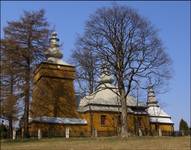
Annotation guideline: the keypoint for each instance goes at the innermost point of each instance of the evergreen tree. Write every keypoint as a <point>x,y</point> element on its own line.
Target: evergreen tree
<point>183,126</point>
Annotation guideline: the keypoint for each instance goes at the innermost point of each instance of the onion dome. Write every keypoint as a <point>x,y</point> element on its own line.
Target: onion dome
<point>54,54</point>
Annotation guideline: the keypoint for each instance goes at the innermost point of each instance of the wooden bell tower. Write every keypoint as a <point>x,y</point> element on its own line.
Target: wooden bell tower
<point>53,92</point>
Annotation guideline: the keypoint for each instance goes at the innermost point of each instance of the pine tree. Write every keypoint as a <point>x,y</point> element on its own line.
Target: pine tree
<point>183,126</point>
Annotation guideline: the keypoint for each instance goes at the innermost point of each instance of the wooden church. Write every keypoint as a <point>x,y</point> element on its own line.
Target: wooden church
<point>54,111</point>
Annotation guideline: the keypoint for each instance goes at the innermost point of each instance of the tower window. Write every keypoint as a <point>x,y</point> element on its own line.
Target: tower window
<point>103,120</point>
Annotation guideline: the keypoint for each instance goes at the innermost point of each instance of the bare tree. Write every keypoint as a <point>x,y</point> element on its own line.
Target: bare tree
<point>30,33</point>
<point>129,44</point>
<point>86,62</point>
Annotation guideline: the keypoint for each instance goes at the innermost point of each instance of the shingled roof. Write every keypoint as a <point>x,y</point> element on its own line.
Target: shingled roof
<point>105,98</point>
<point>58,120</point>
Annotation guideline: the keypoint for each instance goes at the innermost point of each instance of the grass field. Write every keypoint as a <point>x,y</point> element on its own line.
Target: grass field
<point>110,143</point>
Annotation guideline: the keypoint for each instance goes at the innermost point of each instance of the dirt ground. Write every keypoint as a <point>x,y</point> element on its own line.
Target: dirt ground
<point>109,143</point>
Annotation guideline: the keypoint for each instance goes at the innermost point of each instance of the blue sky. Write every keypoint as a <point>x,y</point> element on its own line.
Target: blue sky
<point>171,18</point>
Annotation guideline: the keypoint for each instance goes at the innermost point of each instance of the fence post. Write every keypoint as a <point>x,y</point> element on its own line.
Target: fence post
<point>39,134</point>
<point>160,132</point>
<point>95,132</point>
<point>140,132</point>
<point>67,132</point>
<point>14,134</point>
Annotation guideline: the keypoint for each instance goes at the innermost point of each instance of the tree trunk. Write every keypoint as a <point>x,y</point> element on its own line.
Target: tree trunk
<point>91,124</point>
<point>11,115</point>
<point>26,110</point>
<point>91,90</point>
<point>124,130</point>
<point>10,128</point>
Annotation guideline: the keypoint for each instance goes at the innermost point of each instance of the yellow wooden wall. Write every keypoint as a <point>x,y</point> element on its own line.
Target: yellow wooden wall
<point>52,130</point>
<point>112,127</point>
<point>53,91</point>
<point>166,129</point>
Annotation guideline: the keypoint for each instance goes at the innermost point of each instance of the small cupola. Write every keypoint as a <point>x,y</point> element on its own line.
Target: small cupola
<point>106,79</point>
<point>151,98</point>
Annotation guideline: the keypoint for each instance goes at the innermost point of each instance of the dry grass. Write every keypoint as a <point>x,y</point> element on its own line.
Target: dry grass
<point>110,143</point>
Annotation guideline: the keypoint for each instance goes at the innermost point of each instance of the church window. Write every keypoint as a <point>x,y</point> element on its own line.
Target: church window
<point>103,119</point>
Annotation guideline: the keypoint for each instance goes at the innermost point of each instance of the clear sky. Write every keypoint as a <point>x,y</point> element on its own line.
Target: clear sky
<point>171,18</point>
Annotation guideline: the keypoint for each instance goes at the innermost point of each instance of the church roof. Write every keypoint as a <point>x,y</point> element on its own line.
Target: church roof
<point>157,111</point>
<point>161,120</point>
<point>107,109</point>
<point>105,98</point>
<point>157,115</point>
<point>58,120</point>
